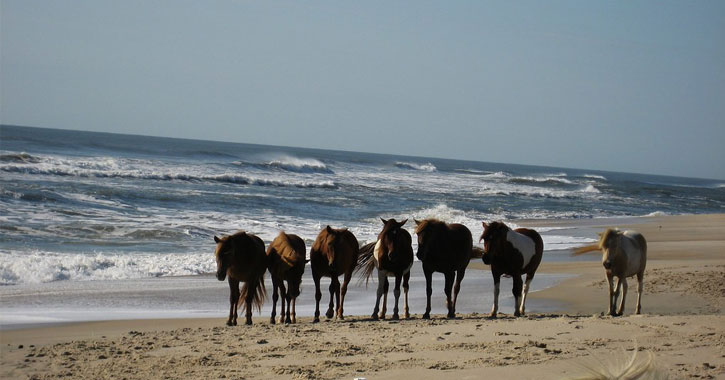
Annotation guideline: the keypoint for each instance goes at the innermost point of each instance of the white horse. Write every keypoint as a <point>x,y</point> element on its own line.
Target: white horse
<point>624,254</point>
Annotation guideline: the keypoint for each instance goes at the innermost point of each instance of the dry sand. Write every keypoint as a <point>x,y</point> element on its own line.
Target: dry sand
<point>682,325</point>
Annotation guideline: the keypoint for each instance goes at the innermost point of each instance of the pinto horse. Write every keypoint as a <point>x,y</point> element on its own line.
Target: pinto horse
<point>241,257</point>
<point>624,254</point>
<point>392,255</point>
<point>334,252</point>
<point>511,252</point>
<point>286,262</point>
<point>445,248</point>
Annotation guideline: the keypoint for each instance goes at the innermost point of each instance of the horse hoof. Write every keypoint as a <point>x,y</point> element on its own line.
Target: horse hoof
<point>316,320</point>
<point>229,323</point>
<point>396,317</point>
<point>517,314</point>
<point>426,316</point>
<point>382,317</point>
<point>272,321</point>
<point>451,315</point>
<point>407,315</point>
<point>248,323</point>
<point>374,317</point>
<point>492,316</point>
<point>329,314</point>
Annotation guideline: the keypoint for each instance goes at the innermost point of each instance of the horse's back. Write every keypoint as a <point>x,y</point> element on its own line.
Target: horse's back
<point>636,249</point>
<point>461,243</point>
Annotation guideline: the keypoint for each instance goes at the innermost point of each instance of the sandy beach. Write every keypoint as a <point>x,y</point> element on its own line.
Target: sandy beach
<point>682,326</point>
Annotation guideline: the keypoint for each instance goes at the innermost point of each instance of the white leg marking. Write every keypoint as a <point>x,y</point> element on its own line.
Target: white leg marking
<point>524,292</point>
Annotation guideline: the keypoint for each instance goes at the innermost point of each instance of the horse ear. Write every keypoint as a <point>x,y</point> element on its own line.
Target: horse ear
<point>484,225</point>
<point>384,221</point>
<point>329,229</point>
<point>216,239</point>
<point>401,224</point>
<point>417,222</point>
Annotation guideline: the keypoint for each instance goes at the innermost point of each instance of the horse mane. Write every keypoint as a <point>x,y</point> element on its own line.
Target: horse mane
<point>604,237</point>
<point>423,225</point>
<point>608,234</point>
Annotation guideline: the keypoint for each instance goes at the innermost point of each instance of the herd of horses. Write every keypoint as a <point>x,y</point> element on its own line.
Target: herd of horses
<point>442,247</point>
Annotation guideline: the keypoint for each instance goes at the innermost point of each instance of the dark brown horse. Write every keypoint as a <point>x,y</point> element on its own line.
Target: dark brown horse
<point>392,255</point>
<point>241,257</point>
<point>333,253</point>
<point>445,248</point>
<point>286,262</point>
<point>511,252</point>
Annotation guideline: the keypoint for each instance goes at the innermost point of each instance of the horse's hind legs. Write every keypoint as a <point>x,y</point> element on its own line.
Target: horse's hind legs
<point>275,296</point>
<point>318,297</point>
<point>396,293</point>
<point>623,282</point>
<point>612,295</point>
<point>334,295</point>
<point>386,287</point>
<point>406,277</point>
<point>233,302</point>
<point>524,293</point>
<point>379,295</point>
<point>428,293</point>
<point>342,291</point>
<point>449,298</point>
<point>640,278</point>
<point>496,291</point>
<point>518,287</point>
<point>283,295</point>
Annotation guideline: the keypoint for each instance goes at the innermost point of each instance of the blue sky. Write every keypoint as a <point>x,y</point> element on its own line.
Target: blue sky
<point>635,86</point>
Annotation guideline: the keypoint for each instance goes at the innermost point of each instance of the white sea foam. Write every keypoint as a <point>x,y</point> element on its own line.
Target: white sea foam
<point>427,167</point>
<point>656,213</point>
<point>41,267</point>
<point>595,176</point>
<point>297,164</point>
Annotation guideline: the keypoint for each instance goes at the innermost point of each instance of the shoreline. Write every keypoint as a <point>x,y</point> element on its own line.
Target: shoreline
<point>682,325</point>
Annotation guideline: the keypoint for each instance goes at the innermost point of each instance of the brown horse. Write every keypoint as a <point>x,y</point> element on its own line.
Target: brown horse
<point>241,257</point>
<point>392,254</point>
<point>624,254</point>
<point>333,253</point>
<point>286,262</point>
<point>445,248</point>
<point>511,252</point>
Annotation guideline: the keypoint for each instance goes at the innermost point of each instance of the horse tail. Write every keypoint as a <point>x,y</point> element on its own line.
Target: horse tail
<point>585,249</point>
<point>366,262</point>
<point>260,293</point>
<point>476,252</point>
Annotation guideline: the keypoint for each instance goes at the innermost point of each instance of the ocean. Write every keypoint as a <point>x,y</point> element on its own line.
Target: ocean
<point>83,208</point>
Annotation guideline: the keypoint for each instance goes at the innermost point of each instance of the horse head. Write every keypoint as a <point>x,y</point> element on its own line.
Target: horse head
<point>492,236</point>
<point>388,237</point>
<point>608,243</point>
<point>429,232</point>
<point>223,254</point>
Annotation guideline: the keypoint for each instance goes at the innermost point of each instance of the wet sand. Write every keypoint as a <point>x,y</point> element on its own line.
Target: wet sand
<point>682,325</point>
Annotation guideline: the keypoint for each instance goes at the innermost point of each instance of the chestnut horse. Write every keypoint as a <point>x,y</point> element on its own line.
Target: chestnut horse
<point>286,262</point>
<point>392,255</point>
<point>241,257</point>
<point>624,254</point>
<point>333,253</point>
<point>445,248</point>
<point>511,252</point>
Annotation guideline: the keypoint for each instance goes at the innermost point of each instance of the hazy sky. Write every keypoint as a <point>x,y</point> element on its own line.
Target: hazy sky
<point>636,86</point>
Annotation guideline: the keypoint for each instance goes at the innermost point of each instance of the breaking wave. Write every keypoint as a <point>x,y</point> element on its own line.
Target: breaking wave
<point>428,167</point>
<point>40,267</point>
